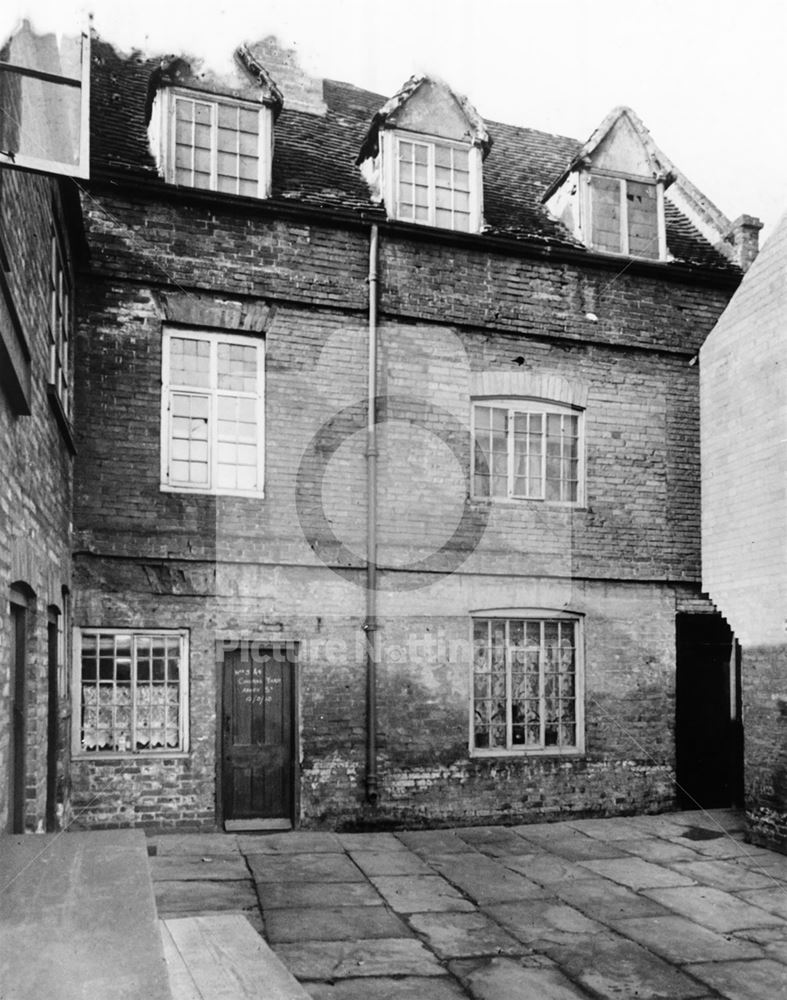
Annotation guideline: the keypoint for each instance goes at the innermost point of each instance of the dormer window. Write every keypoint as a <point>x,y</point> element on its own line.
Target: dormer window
<point>214,143</point>
<point>211,133</point>
<point>611,196</point>
<point>623,215</point>
<point>423,157</point>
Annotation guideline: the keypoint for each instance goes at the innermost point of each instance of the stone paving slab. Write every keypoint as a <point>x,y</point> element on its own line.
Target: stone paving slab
<point>296,842</point>
<point>607,901</point>
<point>318,867</point>
<point>725,875</point>
<point>370,842</point>
<point>756,980</point>
<point>681,941</point>
<point>608,830</point>
<point>202,844</point>
<point>192,897</point>
<point>657,850</point>
<point>347,923</point>
<point>637,874</point>
<point>463,935</point>
<point>720,911</point>
<point>434,842</point>
<point>509,979</point>
<point>494,840</point>
<point>540,923</point>
<point>611,966</point>
<point>771,864</point>
<point>485,880</point>
<point>325,960</point>
<point>210,868</point>
<point>546,869</point>
<point>283,895</point>
<point>420,894</point>
<point>772,899</point>
<point>584,848</point>
<point>722,847</point>
<point>390,863</point>
<point>402,988</point>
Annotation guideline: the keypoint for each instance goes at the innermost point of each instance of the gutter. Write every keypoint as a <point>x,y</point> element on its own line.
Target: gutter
<point>370,623</point>
<point>123,184</point>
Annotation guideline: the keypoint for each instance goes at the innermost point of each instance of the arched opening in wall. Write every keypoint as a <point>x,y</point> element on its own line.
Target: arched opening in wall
<point>21,610</point>
<point>53,648</point>
<point>708,730</point>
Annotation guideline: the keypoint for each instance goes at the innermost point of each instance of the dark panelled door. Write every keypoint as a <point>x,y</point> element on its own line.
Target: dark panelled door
<point>257,779</point>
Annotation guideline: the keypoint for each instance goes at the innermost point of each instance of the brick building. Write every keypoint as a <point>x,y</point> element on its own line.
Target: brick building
<point>743,517</point>
<point>40,242</point>
<point>474,603</point>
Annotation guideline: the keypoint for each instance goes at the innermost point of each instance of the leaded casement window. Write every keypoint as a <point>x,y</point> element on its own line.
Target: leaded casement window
<point>60,320</point>
<point>434,182</point>
<point>527,450</point>
<point>212,413</point>
<point>213,143</point>
<point>624,216</point>
<point>527,685</point>
<point>131,691</point>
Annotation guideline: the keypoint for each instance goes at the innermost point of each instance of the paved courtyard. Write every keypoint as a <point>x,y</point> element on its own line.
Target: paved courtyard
<point>672,906</point>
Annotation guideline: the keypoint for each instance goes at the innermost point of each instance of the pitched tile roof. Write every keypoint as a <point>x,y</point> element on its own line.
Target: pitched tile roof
<point>315,157</point>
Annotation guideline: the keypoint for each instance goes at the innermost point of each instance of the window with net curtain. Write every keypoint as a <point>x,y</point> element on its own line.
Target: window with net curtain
<point>132,691</point>
<point>526,685</point>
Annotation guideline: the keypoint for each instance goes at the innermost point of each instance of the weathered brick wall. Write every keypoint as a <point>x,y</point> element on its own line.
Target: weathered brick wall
<point>426,772</point>
<point>765,728</point>
<point>35,484</point>
<point>275,568</point>
<point>744,518</point>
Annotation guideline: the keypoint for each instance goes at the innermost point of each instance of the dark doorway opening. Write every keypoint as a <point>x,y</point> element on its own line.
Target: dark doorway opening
<point>258,769</point>
<point>53,733</point>
<point>17,769</point>
<point>708,731</point>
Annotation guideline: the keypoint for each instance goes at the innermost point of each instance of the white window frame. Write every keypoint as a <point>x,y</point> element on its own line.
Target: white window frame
<point>43,164</point>
<point>162,133</point>
<point>390,157</point>
<point>623,179</point>
<point>60,326</point>
<point>213,393</point>
<point>516,750</point>
<point>530,406</point>
<point>77,750</point>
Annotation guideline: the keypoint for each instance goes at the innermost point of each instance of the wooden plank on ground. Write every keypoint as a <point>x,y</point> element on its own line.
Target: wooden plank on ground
<point>227,960</point>
<point>181,983</point>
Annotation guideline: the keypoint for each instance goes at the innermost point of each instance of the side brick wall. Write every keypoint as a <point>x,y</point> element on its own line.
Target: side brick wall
<point>35,493</point>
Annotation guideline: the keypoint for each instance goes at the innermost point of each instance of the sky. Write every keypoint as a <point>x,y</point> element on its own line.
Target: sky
<point>707,78</point>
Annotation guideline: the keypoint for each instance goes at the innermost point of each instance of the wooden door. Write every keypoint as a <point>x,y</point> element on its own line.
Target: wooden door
<point>257,733</point>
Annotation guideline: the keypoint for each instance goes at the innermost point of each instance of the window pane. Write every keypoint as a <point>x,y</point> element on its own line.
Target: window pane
<point>641,207</point>
<point>605,213</point>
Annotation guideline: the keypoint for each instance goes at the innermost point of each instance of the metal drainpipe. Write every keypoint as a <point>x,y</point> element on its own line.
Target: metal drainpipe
<point>370,625</point>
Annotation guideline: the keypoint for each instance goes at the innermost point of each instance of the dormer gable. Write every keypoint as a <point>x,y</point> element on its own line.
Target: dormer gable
<point>423,157</point>
<point>611,196</point>
<point>214,132</point>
